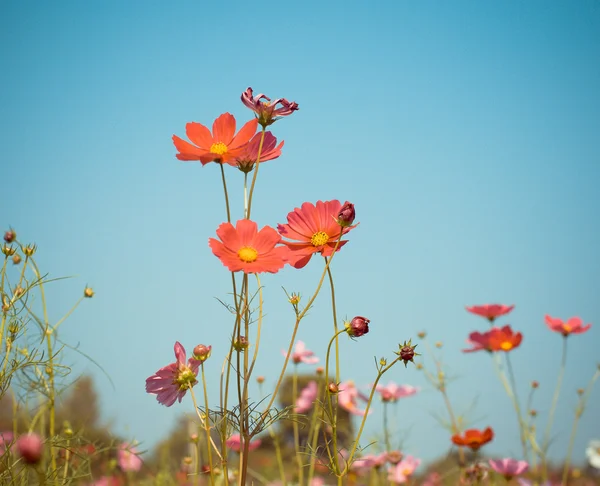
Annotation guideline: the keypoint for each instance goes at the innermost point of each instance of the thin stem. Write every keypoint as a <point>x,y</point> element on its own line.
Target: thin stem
<point>295,428</point>
<point>207,429</point>
<point>260,147</point>
<point>386,432</point>
<point>225,190</point>
<point>522,425</point>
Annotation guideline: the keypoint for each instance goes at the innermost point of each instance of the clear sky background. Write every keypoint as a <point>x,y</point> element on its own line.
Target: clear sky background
<point>466,133</point>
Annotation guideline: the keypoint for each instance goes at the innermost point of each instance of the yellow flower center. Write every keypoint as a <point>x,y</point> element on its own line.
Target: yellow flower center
<point>407,471</point>
<point>506,345</point>
<point>218,148</point>
<point>319,238</point>
<point>567,328</point>
<point>247,254</point>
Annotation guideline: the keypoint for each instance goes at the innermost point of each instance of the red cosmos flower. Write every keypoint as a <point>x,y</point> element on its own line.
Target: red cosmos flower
<point>573,326</point>
<point>266,111</point>
<point>490,311</point>
<point>244,248</point>
<point>249,153</point>
<point>315,229</point>
<point>496,339</point>
<point>220,146</point>
<point>473,438</point>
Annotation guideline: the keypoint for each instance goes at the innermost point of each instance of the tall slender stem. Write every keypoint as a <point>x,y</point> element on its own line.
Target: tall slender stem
<point>260,146</point>
<point>207,429</point>
<point>522,425</point>
<point>225,191</point>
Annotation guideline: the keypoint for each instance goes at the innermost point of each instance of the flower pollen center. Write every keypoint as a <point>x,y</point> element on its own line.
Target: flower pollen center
<point>319,238</point>
<point>506,345</point>
<point>218,148</point>
<point>247,254</point>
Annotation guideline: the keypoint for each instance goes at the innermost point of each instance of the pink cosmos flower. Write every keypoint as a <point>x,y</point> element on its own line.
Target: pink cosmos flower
<point>348,397</point>
<point>171,382</point>
<point>30,447</point>
<point>509,468</point>
<point>249,153</point>
<point>402,472</point>
<point>223,145</point>
<point>573,326</point>
<point>368,462</point>
<point>128,458</point>
<point>6,438</point>
<point>245,248</point>
<point>393,392</point>
<point>313,229</point>
<point>302,355</point>
<point>235,443</point>
<point>267,111</point>
<point>490,311</point>
<point>307,397</point>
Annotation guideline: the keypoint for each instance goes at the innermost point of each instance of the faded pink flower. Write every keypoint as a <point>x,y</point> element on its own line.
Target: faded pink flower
<point>348,396</point>
<point>368,462</point>
<point>509,468</point>
<point>490,311</point>
<point>6,438</point>
<point>307,396</point>
<point>401,472</point>
<point>302,355</point>
<point>267,111</point>
<point>249,153</point>
<point>128,458</point>
<point>573,326</point>
<point>235,443</point>
<point>393,392</point>
<point>30,447</point>
<point>171,382</point>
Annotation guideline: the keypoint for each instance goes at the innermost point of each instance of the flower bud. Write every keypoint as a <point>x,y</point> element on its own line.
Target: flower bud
<point>333,388</point>
<point>419,366</point>
<point>29,250</point>
<point>16,259</point>
<point>294,298</point>
<point>10,236</point>
<point>439,344</point>
<point>580,391</point>
<point>346,215</point>
<point>422,335</point>
<point>534,384</point>
<point>241,344</point>
<point>202,352</point>
<point>194,438</point>
<point>8,250</point>
<point>260,379</point>
<point>357,327</point>
<point>88,292</point>
<point>320,370</point>
<point>407,352</point>
<point>30,448</point>
<point>533,413</point>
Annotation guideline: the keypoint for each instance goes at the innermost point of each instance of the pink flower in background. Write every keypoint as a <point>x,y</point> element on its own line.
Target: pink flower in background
<point>30,447</point>
<point>302,355</point>
<point>392,392</point>
<point>267,111</point>
<point>573,326</point>
<point>235,443</point>
<point>128,458</point>
<point>401,472</point>
<point>348,397</point>
<point>171,382</point>
<point>365,463</point>
<point>249,153</point>
<point>6,439</point>
<point>307,396</point>
<point>490,311</point>
<point>509,468</point>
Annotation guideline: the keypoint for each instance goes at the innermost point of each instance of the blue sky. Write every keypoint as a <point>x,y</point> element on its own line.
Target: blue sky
<point>464,132</point>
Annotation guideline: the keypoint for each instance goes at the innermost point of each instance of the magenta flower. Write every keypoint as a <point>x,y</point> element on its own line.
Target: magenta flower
<point>402,472</point>
<point>347,214</point>
<point>235,443</point>
<point>392,392</point>
<point>509,468</point>
<point>573,326</point>
<point>171,382</point>
<point>128,458</point>
<point>302,355</point>
<point>348,397</point>
<point>249,154</point>
<point>30,447</point>
<point>267,111</point>
<point>307,397</point>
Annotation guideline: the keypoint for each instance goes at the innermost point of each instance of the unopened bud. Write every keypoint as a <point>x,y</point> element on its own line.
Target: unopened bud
<point>19,291</point>
<point>187,460</point>
<point>88,292</point>
<point>422,335</point>
<point>260,380</point>
<point>241,344</point>
<point>202,352</point>
<point>16,259</point>
<point>333,388</point>
<point>346,215</point>
<point>419,366</point>
<point>357,327</point>
<point>10,236</point>
<point>30,448</point>
<point>580,391</point>
<point>194,438</point>
<point>439,344</point>
<point>534,384</point>
<point>8,250</point>
<point>383,362</point>
<point>294,298</point>
<point>29,250</point>
<point>407,352</point>
<point>533,413</point>
<point>320,370</point>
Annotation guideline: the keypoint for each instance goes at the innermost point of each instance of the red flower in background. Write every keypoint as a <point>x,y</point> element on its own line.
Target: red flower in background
<point>223,145</point>
<point>496,339</point>
<point>573,326</point>
<point>473,438</point>
<point>490,311</point>
<point>245,248</point>
<point>314,229</point>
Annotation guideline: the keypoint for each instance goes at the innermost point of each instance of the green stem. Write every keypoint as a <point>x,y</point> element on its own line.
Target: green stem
<point>207,429</point>
<point>522,425</point>
<point>225,190</point>
<point>260,146</point>
<point>386,432</point>
<point>295,428</point>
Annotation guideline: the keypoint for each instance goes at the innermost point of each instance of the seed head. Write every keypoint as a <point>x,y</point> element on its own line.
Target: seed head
<point>407,352</point>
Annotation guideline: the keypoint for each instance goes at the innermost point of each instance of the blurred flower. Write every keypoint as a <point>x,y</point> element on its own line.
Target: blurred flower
<point>490,311</point>
<point>475,473</point>
<point>496,339</point>
<point>249,153</point>
<point>368,462</point>
<point>223,145</point>
<point>16,259</point>
<point>402,472</point>
<point>267,111</point>
<point>434,478</point>
<point>348,396</point>
<point>30,448</point>
<point>314,229</point>
<point>6,438</point>
<point>393,392</point>
<point>245,248</point>
<point>509,468</point>
<point>235,443</point>
<point>346,215</point>
<point>171,382</point>
<point>473,438</point>
<point>357,327</point>
<point>128,458</point>
<point>302,355</point>
<point>107,481</point>
<point>307,397</point>
<point>573,326</point>
<point>10,236</point>
<point>593,453</point>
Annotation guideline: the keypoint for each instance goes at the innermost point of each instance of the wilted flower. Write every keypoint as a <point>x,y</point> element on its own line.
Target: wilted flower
<point>573,326</point>
<point>235,443</point>
<point>593,453</point>
<point>509,468</point>
<point>128,458</point>
<point>348,396</point>
<point>171,382</point>
<point>267,111</point>
<point>302,355</point>
<point>473,438</point>
<point>402,472</point>
<point>249,153</point>
<point>202,352</point>
<point>346,214</point>
<point>393,392</point>
<point>307,397</point>
<point>30,448</point>
<point>357,327</point>
<point>490,311</point>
